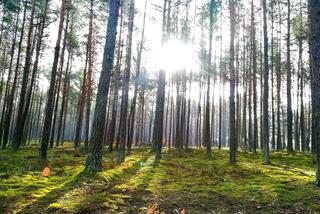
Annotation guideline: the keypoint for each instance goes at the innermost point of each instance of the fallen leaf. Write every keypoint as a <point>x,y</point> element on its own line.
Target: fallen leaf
<point>46,171</point>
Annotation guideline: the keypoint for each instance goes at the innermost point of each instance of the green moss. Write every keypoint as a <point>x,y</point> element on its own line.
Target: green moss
<point>183,179</point>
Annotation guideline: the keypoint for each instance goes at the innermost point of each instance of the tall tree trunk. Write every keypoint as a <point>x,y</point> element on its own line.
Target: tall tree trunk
<point>188,115</point>
<point>10,104</point>
<point>150,124</point>
<point>279,135</point>
<point>313,124</point>
<point>63,108</point>
<point>254,77</point>
<point>81,104</point>
<point>21,116</point>
<point>245,87</point>
<point>161,91</point>
<point>171,123</point>
<point>206,136</point>
<point>58,87</point>
<point>66,102</point>
<point>273,138</point>
<point>89,79</point>
<point>178,113</point>
<point>9,75</point>
<point>125,88</point>
<point>220,85</point>
<point>304,143</point>
<point>233,145</point>
<point>37,127</point>
<point>266,88</point>
<point>94,158</point>
<point>252,144</point>
<point>36,62</point>
<point>296,115</point>
<point>112,125</point>
<point>315,53</point>
<point>136,83</point>
<point>289,102</point>
<point>49,105</point>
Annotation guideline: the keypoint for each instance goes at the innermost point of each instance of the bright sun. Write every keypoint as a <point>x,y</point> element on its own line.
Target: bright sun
<point>174,56</point>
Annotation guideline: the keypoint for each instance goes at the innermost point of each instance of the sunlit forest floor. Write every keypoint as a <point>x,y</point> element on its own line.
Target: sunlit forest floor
<point>184,179</point>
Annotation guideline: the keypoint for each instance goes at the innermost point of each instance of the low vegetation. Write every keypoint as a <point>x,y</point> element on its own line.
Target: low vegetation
<point>184,179</point>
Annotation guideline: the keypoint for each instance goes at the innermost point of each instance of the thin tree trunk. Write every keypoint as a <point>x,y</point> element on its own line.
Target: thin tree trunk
<point>304,144</point>
<point>22,108</point>
<point>232,144</point>
<point>81,105</point>
<point>254,77</point>
<point>66,101</point>
<point>49,105</point>
<point>58,88</point>
<point>9,75</point>
<point>289,108</point>
<point>125,89</point>
<point>279,135</point>
<point>63,108</point>
<point>136,83</point>
<point>9,109</point>
<point>89,78</point>
<point>273,141</point>
<point>266,88</point>
<point>245,86</point>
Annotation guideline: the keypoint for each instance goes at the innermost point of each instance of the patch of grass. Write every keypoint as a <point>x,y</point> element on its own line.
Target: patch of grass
<point>184,179</point>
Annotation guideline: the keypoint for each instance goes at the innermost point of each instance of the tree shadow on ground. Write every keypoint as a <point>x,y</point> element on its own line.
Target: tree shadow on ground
<point>86,193</point>
<point>52,196</point>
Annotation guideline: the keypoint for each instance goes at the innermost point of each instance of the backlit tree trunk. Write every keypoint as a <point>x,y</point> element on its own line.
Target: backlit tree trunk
<point>125,88</point>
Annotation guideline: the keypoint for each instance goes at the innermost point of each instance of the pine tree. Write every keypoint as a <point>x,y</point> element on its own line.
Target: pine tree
<point>289,102</point>
<point>50,101</point>
<point>233,145</point>
<point>266,87</point>
<point>94,158</point>
<point>315,53</point>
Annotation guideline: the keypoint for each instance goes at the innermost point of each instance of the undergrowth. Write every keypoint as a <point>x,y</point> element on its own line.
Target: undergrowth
<point>184,179</point>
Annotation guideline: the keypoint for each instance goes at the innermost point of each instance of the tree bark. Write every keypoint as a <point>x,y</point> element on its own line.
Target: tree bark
<point>289,102</point>
<point>22,108</point>
<point>266,158</point>
<point>136,83</point>
<point>63,109</point>
<point>279,134</point>
<point>315,53</point>
<point>125,88</point>
<point>50,102</point>
<point>10,104</point>
<point>233,145</point>
<point>89,79</point>
<point>94,158</point>
<point>9,75</point>
<point>254,77</point>
<point>161,91</point>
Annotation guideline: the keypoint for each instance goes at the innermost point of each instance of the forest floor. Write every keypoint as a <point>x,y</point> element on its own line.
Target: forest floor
<point>184,179</point>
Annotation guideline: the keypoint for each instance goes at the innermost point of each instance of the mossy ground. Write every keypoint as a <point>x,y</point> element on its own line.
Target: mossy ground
<point>184,179</point>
